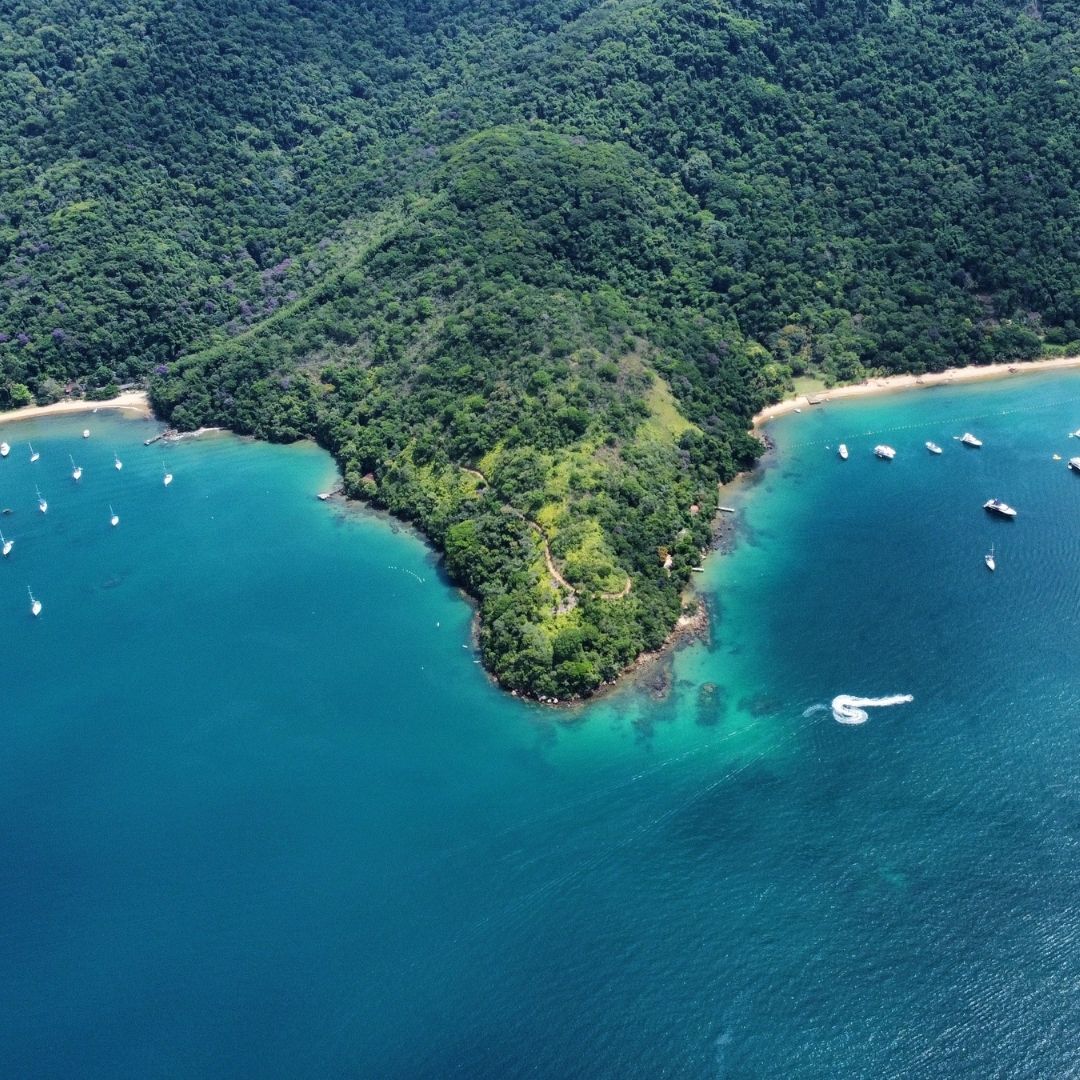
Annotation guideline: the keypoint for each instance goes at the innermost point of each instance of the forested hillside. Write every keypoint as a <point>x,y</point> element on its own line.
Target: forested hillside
<point>528,269</point>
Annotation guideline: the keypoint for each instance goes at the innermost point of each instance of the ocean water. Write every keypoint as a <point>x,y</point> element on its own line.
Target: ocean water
<point>261,814</point>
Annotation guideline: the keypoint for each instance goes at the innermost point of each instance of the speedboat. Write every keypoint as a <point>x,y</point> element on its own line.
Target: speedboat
<point>4,449</point>
<point>996,506</point>
<point>1074,464</point>
<point>887,453</point>
<point>933,448</point>
<point>989,559</point>
<point>843,452</point>
<point>969,440</point>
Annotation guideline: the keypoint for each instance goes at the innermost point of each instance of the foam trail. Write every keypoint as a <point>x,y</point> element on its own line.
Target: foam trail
<point>814,709</point>
<point>852,710</point>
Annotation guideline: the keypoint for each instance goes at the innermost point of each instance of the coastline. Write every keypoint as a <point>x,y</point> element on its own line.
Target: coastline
<point>688,627</point>
<point>894,383</point>
<point>136,401</point>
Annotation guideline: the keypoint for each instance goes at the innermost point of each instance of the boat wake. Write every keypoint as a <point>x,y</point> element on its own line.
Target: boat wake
<point>852,710</point>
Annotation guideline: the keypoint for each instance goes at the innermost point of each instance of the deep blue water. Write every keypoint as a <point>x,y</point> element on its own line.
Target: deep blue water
<point>262,815</point>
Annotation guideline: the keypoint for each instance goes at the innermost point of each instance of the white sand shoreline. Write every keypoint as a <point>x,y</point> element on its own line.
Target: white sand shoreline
<point>135,401</point>
<point>893,383</point>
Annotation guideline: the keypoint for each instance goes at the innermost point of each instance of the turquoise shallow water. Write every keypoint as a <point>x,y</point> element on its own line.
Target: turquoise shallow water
<point>262,815</point>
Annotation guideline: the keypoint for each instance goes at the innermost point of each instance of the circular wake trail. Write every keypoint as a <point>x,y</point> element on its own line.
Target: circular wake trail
<point>852,710</point>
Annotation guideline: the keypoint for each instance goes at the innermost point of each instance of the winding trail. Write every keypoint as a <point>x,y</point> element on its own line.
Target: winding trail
<point>549,559</point>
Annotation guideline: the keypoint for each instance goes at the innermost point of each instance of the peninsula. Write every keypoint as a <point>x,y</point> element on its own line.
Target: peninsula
<point>530,273</point>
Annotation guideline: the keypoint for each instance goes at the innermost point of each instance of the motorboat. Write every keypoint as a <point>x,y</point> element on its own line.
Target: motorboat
<point>969,440</point>
<point>1074,464</point>
<point>887,453</point>
<point>4,449</point>
<point>843,452</point>
<point>933,448</point>
<point>996,506</point>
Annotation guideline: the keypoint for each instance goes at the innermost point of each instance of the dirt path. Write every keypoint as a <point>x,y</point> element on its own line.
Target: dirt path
<point>549,559</point>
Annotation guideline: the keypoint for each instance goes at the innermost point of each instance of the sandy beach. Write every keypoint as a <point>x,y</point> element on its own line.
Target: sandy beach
<point>893,383</point>
<point>134,401</point>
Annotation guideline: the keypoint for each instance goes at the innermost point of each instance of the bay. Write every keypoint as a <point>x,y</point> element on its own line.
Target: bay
<point>264,816</point>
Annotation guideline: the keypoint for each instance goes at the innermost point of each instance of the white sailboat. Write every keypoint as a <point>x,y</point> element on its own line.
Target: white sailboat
<point>76,470</point>
<point>34,455</point>
<point>114,519</point>
<point>42,505</point>
<point>118,463</point>
<point>989,559</point>
<point>166,476</point>
<point>4,449</point>
<point>35,605</point>
<point>8,545</point>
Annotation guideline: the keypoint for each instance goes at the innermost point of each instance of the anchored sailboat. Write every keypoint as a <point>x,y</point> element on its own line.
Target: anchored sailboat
<point>118,463</point>
<point>989,559</point>
<point>35,605</point>
<point>113,517</point>
<point>42,505</point>
<point>34,455</point>
<point>76,470</point>
<point>165,475</point>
